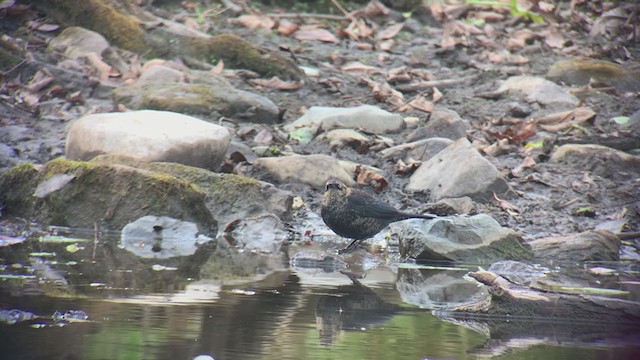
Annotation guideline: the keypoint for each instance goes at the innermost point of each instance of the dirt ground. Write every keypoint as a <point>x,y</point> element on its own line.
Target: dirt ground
<point>551,197</point>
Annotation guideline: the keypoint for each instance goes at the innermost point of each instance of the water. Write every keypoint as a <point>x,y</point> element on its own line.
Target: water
<point>138,309</point>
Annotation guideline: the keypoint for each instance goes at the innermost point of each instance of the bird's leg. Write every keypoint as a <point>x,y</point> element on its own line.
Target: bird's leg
<point>352,246</point>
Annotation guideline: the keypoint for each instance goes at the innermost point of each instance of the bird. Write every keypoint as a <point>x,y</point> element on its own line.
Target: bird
<point>354,214</point>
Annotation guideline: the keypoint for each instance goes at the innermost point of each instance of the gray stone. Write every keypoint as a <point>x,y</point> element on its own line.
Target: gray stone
<point>265,233</point>
<point>540,90</point>
<point>598,159</point>
<point>161,237</point>
<point>443,123</point>
<point>458,170</point>
<point>600,245</point>
<point>74,42</point>
<point>365,117</point>
<point>150,136</point>
<point>160,74</point>
<point>313,170</point>
<point>477,238</point>
<point>432,289</point>
<point>453,206</point>
<point>209,100</point>
<point>228,197</point>
<point>421,150</point>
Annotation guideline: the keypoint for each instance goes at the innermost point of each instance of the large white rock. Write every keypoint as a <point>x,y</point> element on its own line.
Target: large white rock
<point>148,135</point>
<point>366,117</point>
<point>458,170</point>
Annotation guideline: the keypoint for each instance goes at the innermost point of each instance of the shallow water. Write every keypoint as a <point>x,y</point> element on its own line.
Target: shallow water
<point>136,310</point>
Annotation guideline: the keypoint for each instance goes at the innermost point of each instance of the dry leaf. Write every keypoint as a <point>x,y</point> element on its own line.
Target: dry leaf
<point>526,163</point>
<point>401,168</point>
<point>308,33</point>
<point>48,27</point>
<point>219,68</point>
<point>554,39</point>
<point>422,104</point>
<point>566,119</point>
<point>359,29</point>
<point>104,70</point>
<point>437,95</point>
<point>390,32</point>
<point>276,83</point>
<point>519,39</point>
<point>287,27</point>
<point>256,22</point>
<point>507,206</point>
<point>358,66</point>
<point>364,46</point>
<point>387,45</point>
<point>368,177</point>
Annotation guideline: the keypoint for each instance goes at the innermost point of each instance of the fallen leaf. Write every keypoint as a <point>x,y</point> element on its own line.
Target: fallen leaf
<point>219,68</point>
<point>367,177</point>
<point>526,163</point>
<point>358,66</point>
<point>566,119</point>
<point>256,22</point>
<point>422,104</point>
<point>276,83</point>
<point>315,34</point>
<point>520,38</point>
<point>364,46</point>
<point>358,29</point>
<point>389,32</point>
<point>437,95</point>
<point>518,133</point>
<point>401,168</point>
<point>507,206</point>
<point>286,27</point>
<point>554,39</point>
<point>387,45</point>
<point>48,27</point>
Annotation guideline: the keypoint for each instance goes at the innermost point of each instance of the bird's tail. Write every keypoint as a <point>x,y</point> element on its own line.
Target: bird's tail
<point>419,216</point>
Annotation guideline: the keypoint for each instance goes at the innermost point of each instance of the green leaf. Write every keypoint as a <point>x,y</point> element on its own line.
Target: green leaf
<point>621,119</point>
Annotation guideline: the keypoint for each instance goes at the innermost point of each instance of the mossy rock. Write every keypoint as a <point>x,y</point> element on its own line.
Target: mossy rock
<point>228,196</point>
<point>111,195</point>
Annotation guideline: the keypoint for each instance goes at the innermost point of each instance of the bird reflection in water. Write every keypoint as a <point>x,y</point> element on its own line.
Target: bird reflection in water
<point>350,307</point>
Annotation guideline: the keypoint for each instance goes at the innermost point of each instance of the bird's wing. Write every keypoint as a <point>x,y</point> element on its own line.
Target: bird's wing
<point>369,207</point>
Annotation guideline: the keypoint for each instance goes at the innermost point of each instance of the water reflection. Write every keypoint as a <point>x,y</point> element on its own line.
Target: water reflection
<point>232,305</point>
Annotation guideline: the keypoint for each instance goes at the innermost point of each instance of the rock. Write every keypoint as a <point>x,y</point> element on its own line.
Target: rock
<point>74,42</point>
<point>598,159</point>
<point>161,237</point>
<point>453,206</point>
<point>458,170</point>
<point>160,74</point>
<point>518,272</point>
<point>209,100</point>
<point>421,150</point>
<point>443,123</point>
<point>429,289</point>
<point>539,90</point>
<point>598,245</point>
<point>228,197</point>
<point>340,138</point>
<point>478,238</point>
<point>313,170</point>
<point>265,233</point>
<point>109,195</point>
<point>369,118</point>
<point>583,71</point>
<point>148,135</point>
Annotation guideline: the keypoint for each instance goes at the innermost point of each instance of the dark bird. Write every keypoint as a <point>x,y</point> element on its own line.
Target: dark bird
<point>354,214</point>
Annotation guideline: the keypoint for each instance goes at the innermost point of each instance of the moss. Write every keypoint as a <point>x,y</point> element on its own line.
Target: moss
<point>122,30</point>
<point>16,190</point>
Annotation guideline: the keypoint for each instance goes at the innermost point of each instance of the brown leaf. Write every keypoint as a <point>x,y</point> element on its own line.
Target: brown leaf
<point>219,68</point>
<point>48,27</point>
<point>422,104</point>
<point>507,206</point>
<point>437,95</point>
<point>358,29</point>
<point>286,27</point>
<point>313,33</point>
<point>358,66</point>
<point>367,177</point>
<point>401,168</point>
<point>389,32</point>
<point>387,45</point>
<point>528,162</point>
<point>566,119</point>
<point>554,39</point>
<point>518,133</point>
<point>256,22</point>
<point>276,83</point>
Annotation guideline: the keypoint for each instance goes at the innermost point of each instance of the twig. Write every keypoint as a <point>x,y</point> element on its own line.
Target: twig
<point>422,85</point>
<point>96,236</point>
<point>306,15</point>
<point>337,4</point>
